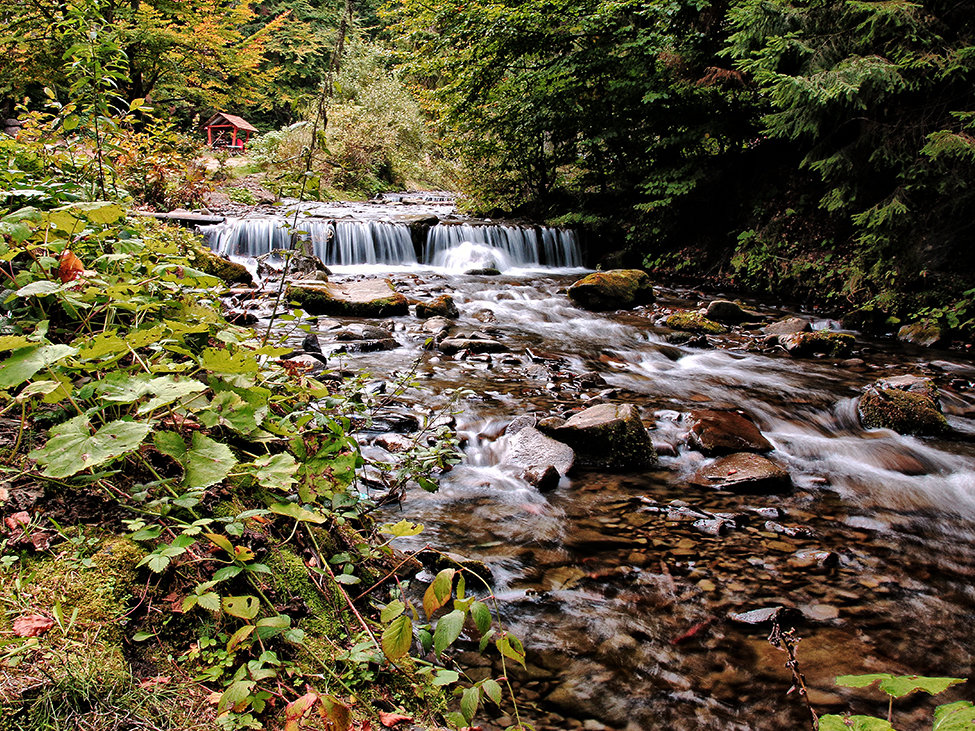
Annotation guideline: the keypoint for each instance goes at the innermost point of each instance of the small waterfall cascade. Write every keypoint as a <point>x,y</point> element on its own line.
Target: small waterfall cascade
<point>337,243</point>
<point>349,242</point>
<point>521,246</point>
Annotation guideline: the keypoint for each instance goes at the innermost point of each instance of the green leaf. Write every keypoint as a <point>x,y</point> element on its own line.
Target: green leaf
<point>510,646</point>
<point>445,677</point>
<point>142,636</point>
<point>833,722</point>
<point>402,529</point>
<point>958,716</point>
<point>239,636</point>
<point>391,611</point>
<point>398,637</point>
<point>236,697</point>
<point>448,629</point>
<point>227,572</point>
<point>207,462</point>
<point>438,593</point>
<point>99,212</point>
<point>167,389</point>
<point>40,288</point>
<point>482,616</point>
<point>293,510</point>
<point>469,702</point>
<point>276,472</point>
<point>245,607</point>
<point>223,361</point>
<point>25,362</point>
<point>898,686</point>
<point>209,600</point>
<point>347,579</point>
<point>170,444</point>
<point>102,344</point>
<point>72,448</point>
<point>493,690</point>
<point>13,342</point>
<point>156,562</point>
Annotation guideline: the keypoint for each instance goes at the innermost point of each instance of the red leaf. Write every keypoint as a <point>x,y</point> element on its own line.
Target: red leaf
<point>17,519</point>
<point>296,710</point>
<point>32,625</point>
<point>70,267</point>
<point>389,720</point>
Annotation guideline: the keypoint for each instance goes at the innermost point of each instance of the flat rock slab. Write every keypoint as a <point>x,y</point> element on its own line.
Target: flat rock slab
<point>362,298</point>
<point>744,472</point>
<point>608,436</point>
<point>531,449</point>
<point>725,432</point>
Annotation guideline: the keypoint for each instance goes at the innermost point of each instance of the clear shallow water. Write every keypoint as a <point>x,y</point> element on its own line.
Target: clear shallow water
<point>623,607</point>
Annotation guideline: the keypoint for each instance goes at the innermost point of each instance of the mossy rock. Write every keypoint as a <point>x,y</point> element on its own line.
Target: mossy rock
<point>613,290</point>
<point>228,271</point>
<point>693,322</point>
<point>823,342</point>
<point>365,298</point>
<point>925,334</point>
<point>443,306</point>
<point>916,411</point>
<point>608,436</point>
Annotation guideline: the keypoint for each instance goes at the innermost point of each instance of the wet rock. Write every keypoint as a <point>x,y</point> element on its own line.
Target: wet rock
<point>724,432</point>
<point>544,479</point>
<point>824,342</point>
<point>363,298</point>
<point>361,332</point>
<point>369,346</point>
<point>744,472</point>
<point>443,306</point>
<point>728,312</point>
<point>520,422</point>
<point>485,315</point>
<point>814,559</point>
<point>395,443</point>
<point>310,344</point>
<point>530,449</point>
<point>609,436</point>
<point>397,420</point>
<point>907,405</point>
<point>472,345</point>
<point>549,424</point>
<point>787,530</point>
<point>713,526</point>
<point>484,272</point>
<point>788,326</point>
<point>927,335</point>
<point>691,340</point>
<point>612,290</point>
<point>299,265</point>
<point>854,364</point>
<point>693,322</point>
<point>242,318</point>
<point>313,363</point>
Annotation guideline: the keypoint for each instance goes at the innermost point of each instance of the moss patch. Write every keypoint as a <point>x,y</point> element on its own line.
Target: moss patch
<point>822,342</point>
<point>354,299</point>
<point>693,322</point>
<point>229,271</point>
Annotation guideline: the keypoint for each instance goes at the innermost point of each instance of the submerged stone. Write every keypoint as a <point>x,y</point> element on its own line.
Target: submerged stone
<point>613,290</point>
<point>364,298</point>
<point>693,322</point>
<point>744,472</point>
<point>608,436</point>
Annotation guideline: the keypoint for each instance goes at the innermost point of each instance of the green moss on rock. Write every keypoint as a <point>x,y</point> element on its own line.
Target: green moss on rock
<point>693,322</point>
<point>228,271</point>
<point>368,298</point>
<point>906,412</point>
<point>612,290</point>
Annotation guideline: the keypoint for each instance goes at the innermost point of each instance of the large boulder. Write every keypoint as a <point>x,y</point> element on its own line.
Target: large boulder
<point>613,290</point>
<point>821,342</point>
<point>530,449</point>
<point>471,345</point>
<point>608,436</point>
<point>363,298</point>
<point>693,322</point>
<point>927,335</point>
<point>905,404</point>
<point>724,432</point>
<point>744,472</point>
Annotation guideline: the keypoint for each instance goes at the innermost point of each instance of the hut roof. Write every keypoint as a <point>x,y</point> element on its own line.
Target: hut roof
<point>230,119</point>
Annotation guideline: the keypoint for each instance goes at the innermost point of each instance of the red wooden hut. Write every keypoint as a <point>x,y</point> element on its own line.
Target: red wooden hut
<point>228,130</point>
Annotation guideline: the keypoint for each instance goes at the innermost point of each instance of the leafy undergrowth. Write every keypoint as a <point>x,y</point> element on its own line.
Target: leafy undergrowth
<point>187,542</point>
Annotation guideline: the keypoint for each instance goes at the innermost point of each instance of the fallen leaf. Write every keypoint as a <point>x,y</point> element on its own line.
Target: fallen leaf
<point>390,720</point>
<point>156,681</point>
<point>4,495</point>
<point>296,710</point>
<point>17,519</point>
<point>33,625</point>
<point>70,267</point>
<point>41,540</point>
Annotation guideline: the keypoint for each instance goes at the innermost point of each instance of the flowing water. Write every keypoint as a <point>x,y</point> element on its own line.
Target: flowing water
<point>625,607</point>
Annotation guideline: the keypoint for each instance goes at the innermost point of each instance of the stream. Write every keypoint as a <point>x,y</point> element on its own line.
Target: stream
<point>631,613</point>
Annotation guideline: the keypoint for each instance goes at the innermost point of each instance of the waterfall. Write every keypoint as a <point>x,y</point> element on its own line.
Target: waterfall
<point>339,243</point>
<point>348,243</point>
<point>520,245</point>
